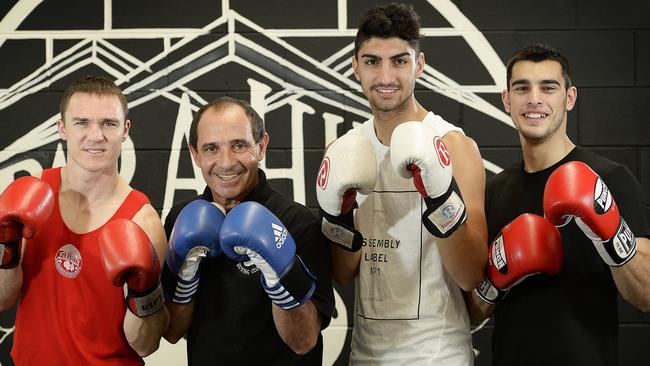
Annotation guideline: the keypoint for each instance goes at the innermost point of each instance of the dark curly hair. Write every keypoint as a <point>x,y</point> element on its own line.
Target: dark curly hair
<point>390,20</point>
<point>538,53</point>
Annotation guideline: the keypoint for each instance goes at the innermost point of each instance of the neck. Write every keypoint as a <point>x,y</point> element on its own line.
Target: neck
<point>93,186</point>
<point>385,122</point>
<point>539,156</point>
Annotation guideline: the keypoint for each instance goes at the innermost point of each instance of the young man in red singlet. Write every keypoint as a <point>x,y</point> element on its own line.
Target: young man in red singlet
<point>75,239</point>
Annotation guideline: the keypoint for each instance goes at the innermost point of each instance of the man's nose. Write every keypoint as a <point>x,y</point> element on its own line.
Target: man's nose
<point>95,133</point>
<point>225,158</point>
<point>385,73</point>
<point>534,96</point>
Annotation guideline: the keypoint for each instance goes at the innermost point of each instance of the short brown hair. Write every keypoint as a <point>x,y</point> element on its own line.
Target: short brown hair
<point>257,124</point>
<point>93,84</point>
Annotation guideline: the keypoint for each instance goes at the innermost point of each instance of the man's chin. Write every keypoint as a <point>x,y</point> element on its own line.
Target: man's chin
<point>535,138</point>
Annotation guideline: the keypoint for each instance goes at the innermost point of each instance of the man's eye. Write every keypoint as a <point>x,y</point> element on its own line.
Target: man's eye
<point>240,147</point>
<point>371,62</point>
<point>400,61</point>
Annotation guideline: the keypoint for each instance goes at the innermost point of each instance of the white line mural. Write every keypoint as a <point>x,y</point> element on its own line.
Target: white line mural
<point>311,100</point>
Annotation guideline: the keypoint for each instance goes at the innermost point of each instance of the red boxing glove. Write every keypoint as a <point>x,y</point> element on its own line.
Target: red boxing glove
<point>574,190</point>
<point>25,205</point>
<point>129,257</point>
<point>526,246</point>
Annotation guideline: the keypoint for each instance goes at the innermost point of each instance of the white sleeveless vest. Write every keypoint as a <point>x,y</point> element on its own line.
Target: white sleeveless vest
<point>408,309</point>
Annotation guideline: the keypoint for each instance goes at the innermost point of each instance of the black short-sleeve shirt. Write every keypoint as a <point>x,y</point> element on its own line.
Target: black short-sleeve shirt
<point>232,322</point>
<point>570,318</point>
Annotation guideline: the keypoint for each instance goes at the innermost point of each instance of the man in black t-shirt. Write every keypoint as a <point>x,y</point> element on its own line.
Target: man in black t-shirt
<point>233,307</point>
<point>565,313</point>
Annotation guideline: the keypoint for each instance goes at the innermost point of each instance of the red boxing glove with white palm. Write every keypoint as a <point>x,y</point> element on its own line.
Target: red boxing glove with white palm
<point>575,191</point>
<point>528,245</point>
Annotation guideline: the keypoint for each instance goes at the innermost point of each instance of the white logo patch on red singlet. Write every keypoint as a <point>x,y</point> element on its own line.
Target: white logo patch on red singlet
<point>441,151</point>
<point>68,261</point>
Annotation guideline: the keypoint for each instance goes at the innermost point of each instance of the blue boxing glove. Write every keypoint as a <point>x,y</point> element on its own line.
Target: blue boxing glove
<point>194,237</point>
<point>252,232</point>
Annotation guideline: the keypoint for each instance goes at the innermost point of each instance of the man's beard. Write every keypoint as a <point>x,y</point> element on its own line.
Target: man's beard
<point>395,109</point>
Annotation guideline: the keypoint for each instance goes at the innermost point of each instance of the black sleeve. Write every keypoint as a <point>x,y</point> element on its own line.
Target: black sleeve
<point>489,189</point>
<point>629,197</point>
<point>167,278</point>
<point>313,249</point>
<point>171,219</point>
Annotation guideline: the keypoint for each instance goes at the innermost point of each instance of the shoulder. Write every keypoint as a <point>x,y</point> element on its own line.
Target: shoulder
<point>147,218</point>
<point>506,178</point>
<point>177,208</point>
<point>506,174</point>
<point>361,128</point>
<point>609,170</point>
<point>460,140</point>
<point>297,217</point>
<point>464,152</point>
<point>440,125</point>
<point>49,174</point>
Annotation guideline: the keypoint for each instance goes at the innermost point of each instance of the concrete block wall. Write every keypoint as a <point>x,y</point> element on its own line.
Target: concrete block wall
<point>291,59</point>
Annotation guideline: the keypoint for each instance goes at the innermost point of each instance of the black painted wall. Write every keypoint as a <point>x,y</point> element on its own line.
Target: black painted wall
<point>290,59</point>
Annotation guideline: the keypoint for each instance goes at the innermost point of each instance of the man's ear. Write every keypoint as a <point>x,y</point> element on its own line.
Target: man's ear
<point>419,64</point>
<point>60,126</point>
<point>264,143</point>
<point>194,153</point>
<point>571,97</point>
<point>127,128</point>
<point>355,65</point>
<point>505,98</point>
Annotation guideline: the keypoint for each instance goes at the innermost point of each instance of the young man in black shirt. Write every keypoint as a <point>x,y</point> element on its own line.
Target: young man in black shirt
<point>567,314</point>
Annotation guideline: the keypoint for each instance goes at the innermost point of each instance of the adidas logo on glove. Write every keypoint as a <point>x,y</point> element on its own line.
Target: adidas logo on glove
<point>280,234</point>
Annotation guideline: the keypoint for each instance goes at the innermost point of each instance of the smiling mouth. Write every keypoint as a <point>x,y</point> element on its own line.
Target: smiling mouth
<point>94,151</point>
<point>227,177</point>
<point>535,115</point>
<point>385,90</point>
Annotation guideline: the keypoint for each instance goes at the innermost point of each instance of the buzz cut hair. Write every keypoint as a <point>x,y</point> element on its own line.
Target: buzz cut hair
<point>93,84</point>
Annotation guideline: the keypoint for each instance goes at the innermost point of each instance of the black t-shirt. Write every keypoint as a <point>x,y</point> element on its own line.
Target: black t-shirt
<point>570,318</point>
<point>232,321</point>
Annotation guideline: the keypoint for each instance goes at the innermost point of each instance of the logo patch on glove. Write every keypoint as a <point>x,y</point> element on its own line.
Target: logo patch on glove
<point>624,242</point>
<point>448,214</point>
<point>280,234</point>
<point>498,255</point>
<point>441,150</point>
<point>602,198</point>
<point>323,173</point>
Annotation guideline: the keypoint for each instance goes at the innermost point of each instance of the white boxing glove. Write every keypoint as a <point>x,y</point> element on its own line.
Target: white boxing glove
<point>349,165</point>
<point>416,151</point>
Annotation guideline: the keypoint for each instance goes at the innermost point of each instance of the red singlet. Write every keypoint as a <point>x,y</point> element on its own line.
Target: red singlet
<point>69,312</point>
